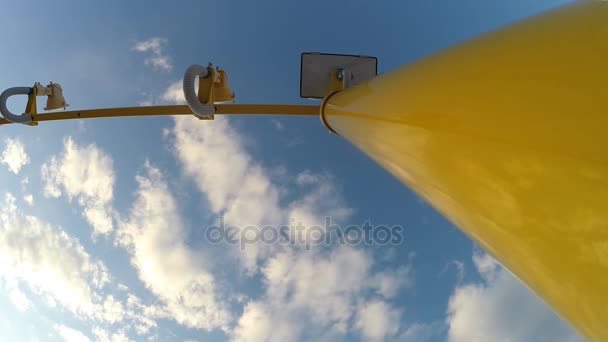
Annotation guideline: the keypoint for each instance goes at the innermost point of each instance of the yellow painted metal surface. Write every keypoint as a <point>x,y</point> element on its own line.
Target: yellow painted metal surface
<point>507,136</point>
<point>214,88</point>
<point>221,109</point>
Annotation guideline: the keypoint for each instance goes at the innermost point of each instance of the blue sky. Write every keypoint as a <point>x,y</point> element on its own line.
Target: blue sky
<point>102,234</point>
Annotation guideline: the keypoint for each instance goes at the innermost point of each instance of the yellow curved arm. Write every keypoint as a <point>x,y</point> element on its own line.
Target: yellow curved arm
<point>221,109</point>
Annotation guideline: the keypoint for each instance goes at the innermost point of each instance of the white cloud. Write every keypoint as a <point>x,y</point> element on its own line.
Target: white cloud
<point>86,174</point>
<point>14,155</point>
<point>321,200</point>
<point>307,294</point>
<point>388,283</point>
<point>112,310</point>
<point>213,157</point>
<point>486,265</point>
<point>143,316</point>
<point>48,261</point>
<point>102,335</point>
<point>238,188</point>
<point>256,325</point>
<point>500,308</point>
<point>154,236</point>
<point>56,269</point>
<point>327,285</point>
<point>316,296</point>
<point>377,320</point>
<point>29,199</point>
<point>19,299</point>
<point>174,93</point>
<point>159,60</point>
<point>69,334</point>
<point>235,186</point>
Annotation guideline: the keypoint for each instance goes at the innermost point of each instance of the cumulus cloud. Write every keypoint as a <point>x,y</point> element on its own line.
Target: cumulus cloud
<point>152,233</point>
<point>256,324</point>
<point>37,259</point>
<point>17,297</point>
<point>142,316</point>
<point>317,296</point>
<point>14,155</point>
<point>70,334</point>
<point>112,310</point>
<point>174,93</point>
<point>84,173</point>
<point>235,186</point>
<point>239,189</point>
<point>307,294</point>
<point>500,308</point>
<point>377,320</point>
<point>47,261</point>
<point>155,237</point>
<point>158,59</point>
<point>29,199</point>
<point>103,335</point>
<point>389,283</point>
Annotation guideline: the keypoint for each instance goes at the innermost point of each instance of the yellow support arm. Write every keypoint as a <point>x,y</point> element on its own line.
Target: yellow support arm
<point>221,109</point>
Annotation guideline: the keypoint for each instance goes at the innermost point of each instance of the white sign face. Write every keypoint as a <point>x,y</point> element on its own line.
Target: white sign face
<point>319,69</point>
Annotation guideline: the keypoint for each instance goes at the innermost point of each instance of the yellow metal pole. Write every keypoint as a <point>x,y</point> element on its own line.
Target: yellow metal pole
<point>507,135</point>
<point>221,109</point>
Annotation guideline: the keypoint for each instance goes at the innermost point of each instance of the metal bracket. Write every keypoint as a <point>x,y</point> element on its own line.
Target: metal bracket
<point>322,111</point>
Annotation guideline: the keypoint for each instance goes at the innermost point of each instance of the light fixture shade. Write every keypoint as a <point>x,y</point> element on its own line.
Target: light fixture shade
<point>56,99</point>
<point>221,91</point>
